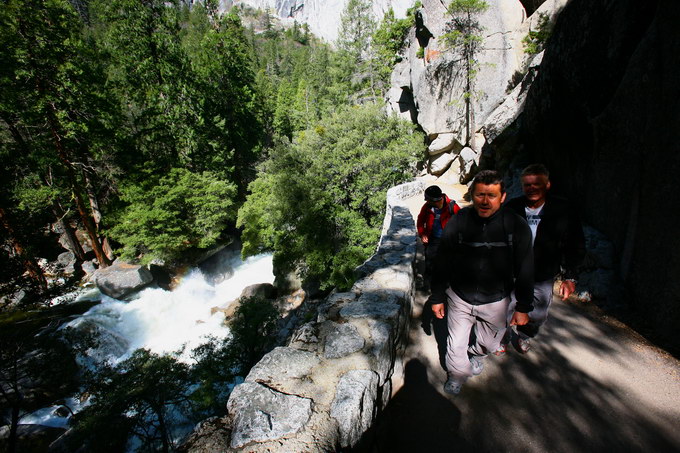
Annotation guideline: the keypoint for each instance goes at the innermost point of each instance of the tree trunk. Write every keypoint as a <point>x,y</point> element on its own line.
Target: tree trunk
<point>30,264</point>
<point>104,260</point>
<point>163,429</point>
<point>71,238</point>
<point>92,197</point>
<point>14,425</point>
<point>96,213</point>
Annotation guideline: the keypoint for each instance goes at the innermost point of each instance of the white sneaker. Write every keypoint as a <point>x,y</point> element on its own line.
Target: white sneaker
<point>477,365</point>
<point>524,345</point>
<point>452,386</point>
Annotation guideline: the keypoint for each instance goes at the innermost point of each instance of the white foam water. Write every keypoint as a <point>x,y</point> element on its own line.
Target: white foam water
<point>167,321</point>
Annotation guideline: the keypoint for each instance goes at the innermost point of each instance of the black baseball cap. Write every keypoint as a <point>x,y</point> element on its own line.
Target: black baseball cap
<point>433,193</point>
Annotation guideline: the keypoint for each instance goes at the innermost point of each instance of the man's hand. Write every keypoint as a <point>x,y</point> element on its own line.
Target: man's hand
<point>518,318</point>
<point>438,310</point>
<point>425,239</point>
<point>567,288</point>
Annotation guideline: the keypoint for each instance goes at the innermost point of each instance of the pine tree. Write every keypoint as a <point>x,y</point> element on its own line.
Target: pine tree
<point>354,40</point>
<point>464,36</point>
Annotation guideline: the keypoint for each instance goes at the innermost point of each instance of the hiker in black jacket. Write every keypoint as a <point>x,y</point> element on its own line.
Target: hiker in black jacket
<point>558,243</point>
<point>484,253</point>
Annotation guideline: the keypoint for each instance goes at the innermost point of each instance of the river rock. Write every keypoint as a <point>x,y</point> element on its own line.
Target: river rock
<point>121,279</point>
<point>67,263</point>
<point>261,414</point>
<point>353,405</point>
<point>89,267</point>
<point>13,300</point>
<point>258,291</point>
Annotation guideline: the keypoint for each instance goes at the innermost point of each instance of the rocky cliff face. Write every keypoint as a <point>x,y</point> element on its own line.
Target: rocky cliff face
<point>603,114</point>
<point>429,85</point>
<point>322,16</point>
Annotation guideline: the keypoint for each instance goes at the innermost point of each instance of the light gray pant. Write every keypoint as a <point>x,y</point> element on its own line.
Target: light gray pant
<point>543,296</point>
<point>487,324</point>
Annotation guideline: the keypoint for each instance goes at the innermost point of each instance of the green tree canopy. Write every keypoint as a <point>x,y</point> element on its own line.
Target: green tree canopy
<point>319,201</point>
<point>183,210</point>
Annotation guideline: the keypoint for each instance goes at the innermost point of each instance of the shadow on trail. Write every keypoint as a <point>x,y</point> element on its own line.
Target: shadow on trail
<point>549,405</point>
<point>418,418</point>
<point>543,401</point>
<point>431,325</point>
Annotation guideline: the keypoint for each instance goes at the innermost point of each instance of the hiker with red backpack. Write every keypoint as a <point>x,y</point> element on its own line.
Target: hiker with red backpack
<point>433,217</point>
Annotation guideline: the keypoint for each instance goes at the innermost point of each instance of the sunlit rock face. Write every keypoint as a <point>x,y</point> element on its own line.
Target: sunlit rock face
<point>437,78</point>
<point>603,115</point>
<point>433,85</point>
<point>322,16</point>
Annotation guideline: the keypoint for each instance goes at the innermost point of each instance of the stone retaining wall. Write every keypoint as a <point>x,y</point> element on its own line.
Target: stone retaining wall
<point>323,391</point>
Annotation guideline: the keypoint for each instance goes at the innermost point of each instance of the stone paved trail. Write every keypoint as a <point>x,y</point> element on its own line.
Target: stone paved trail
<point>589,385</point>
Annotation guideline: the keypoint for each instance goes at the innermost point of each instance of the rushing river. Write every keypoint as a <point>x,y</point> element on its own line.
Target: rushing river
<point>165,321</point>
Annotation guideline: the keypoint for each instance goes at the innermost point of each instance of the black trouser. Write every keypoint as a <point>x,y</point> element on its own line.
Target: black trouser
<point>430,253</point>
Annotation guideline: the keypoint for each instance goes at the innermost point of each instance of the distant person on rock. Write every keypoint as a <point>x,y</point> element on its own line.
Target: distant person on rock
<point>484,254</point>
<point>558,243</point>
<point>433,217</point>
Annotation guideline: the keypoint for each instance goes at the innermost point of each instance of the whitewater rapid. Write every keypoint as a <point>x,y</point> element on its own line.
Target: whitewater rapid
<point>167,321</point>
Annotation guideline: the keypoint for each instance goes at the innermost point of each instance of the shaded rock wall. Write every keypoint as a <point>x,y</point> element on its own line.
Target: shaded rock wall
<point>604,115</point>
<point>325,388</point>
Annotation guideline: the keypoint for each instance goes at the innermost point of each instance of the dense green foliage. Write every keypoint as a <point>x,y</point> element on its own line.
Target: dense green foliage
<point>144,122</point>
<point>140,102</point>
<point>182,210</point>
<point>136,397</point>
<point>320,201</point>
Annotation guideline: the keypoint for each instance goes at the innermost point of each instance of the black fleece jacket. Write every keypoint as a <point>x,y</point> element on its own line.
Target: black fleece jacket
<point>559,238</point>
<point>484,259</point>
